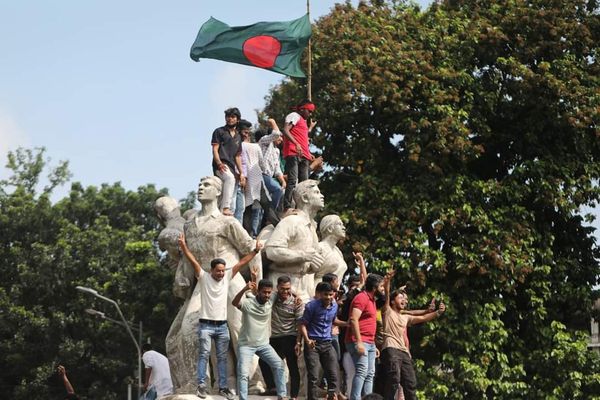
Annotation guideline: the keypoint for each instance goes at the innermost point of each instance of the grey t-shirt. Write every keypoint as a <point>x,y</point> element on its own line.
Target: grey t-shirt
<point>285,316</point>
<point>256,322</point>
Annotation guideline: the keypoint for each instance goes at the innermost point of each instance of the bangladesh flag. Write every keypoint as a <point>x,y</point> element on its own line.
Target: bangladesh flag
<point>276,46</point>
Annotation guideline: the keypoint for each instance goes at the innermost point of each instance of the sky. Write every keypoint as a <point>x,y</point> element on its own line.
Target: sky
<point>109,85</point>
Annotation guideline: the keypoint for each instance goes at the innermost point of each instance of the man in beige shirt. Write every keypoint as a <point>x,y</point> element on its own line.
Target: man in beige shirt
<point>395,355</point>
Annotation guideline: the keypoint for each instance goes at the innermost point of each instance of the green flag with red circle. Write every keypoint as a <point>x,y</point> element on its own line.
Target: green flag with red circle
<point>276,46</point>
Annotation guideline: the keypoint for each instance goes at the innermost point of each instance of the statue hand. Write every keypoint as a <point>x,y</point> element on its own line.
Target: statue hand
<point>317,261</point>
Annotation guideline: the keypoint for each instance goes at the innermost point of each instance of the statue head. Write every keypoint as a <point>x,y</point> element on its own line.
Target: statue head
<point>209,189</point>
<point>332,225</point>
<point>307,195</point>
<point>164,206</point>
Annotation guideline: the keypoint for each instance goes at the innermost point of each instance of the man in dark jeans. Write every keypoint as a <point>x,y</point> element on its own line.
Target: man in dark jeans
<point>296,148</point>
<point>287,311</point>
<point>395,356</point>
<point>315,327</point>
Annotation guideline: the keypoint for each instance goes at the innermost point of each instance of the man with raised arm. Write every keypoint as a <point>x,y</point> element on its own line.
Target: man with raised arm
<point>213,315</point>
<point>62,372</point>
<point>395,356</point>
<point>254,336</point>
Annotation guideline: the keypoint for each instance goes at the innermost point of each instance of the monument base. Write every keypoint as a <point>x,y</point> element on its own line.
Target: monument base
<point>212,397</point>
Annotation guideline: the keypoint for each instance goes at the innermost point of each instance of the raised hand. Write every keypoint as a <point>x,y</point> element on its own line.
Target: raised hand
<point>358,258</point>
<point>432,305</point>
<point>181,241</point>
<point>442,308</point>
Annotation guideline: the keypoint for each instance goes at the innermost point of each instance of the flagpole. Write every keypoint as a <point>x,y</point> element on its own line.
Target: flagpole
<point>309,69</point>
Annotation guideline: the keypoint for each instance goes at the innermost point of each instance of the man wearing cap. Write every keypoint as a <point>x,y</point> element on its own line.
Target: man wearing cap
<point>227,149</point>
<point>295,147</point>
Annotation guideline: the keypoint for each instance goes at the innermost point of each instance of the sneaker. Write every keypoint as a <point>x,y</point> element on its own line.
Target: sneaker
<point>228,394</point>
<point>201,391</point>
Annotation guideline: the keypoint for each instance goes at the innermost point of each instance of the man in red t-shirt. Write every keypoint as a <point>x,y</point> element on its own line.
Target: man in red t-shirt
<point>295,147</point>
<point>360,337</point>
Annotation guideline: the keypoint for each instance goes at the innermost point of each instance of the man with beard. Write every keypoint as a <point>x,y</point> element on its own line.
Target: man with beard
<point>360,337</point>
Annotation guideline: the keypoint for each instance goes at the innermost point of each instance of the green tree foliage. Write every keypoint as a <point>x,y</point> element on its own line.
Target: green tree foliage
<point>102,238</point>
<point>462,142</point>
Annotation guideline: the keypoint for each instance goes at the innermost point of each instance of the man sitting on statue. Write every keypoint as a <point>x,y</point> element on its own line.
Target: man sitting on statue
<point>213,315</point>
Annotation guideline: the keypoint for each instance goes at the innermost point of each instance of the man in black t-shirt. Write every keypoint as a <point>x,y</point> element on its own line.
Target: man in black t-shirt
<point>227,149</point>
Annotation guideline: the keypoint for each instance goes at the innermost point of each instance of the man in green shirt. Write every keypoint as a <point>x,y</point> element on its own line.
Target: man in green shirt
<point>254,336</point>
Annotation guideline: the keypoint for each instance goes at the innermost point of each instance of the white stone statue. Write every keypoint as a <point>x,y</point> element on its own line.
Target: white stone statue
<point>293,245</point>
<point>332,232</point>
<point>209,234</point>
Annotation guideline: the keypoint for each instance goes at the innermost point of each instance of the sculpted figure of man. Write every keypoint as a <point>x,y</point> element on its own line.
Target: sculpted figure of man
<point>332,231</point>
<point>209,235</point>
<point>293,245</point>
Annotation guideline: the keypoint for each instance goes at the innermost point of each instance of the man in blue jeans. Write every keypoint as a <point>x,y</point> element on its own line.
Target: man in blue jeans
<point>360,337</point>
<point>254,336</point>
<point>213,315</point>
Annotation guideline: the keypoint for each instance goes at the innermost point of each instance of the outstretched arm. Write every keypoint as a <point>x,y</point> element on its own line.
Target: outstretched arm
<point>238,297</point>
<point>246,259</point>
<point>188,254</point>
<point>63,374</point>
<point>421,312</point>
<point>428,317</point>
<point>360,261</point>
<point>387,285</point>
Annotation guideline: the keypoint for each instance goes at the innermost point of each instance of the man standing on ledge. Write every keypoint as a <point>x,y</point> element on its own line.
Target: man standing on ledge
<point>254,336</point>
<point>295,147</point>
<point>360,337</point>
<point>227,155</point>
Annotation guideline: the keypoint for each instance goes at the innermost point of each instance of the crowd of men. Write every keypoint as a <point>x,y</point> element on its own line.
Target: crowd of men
<point>277,326</point>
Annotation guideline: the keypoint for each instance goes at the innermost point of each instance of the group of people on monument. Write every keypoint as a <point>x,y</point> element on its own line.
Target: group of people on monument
<point>278,294</point>
<point>260,175</point>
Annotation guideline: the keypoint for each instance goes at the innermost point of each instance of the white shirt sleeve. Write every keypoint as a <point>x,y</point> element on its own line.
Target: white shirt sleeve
<point>292,118</point>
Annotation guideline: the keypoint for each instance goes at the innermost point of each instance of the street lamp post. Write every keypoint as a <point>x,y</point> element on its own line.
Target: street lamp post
<point>124,323</point>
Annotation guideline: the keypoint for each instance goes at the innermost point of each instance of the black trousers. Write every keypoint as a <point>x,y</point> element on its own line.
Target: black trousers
<point>325,354</point>
<point>296,169</point>
<point>399,370</point>
<point>284,346</point>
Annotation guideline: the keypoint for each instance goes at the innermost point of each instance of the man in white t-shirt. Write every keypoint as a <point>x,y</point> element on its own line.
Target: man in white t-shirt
<point>214,287</point>
<point>157,373</point>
